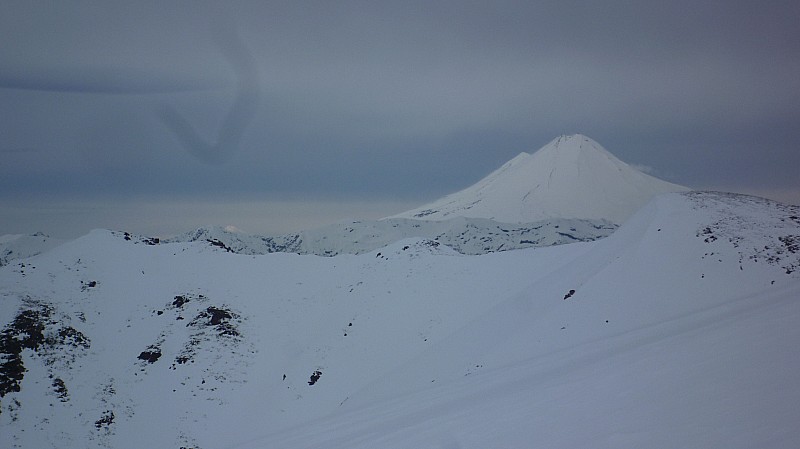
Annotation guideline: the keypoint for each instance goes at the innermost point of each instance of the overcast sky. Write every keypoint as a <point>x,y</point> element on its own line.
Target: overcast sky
<point>161,116</point>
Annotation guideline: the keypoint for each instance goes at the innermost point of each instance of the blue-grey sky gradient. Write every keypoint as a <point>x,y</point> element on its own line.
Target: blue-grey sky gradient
<point>379,102</point>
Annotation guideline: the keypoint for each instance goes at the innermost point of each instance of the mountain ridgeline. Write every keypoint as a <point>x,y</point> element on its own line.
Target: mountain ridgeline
<point>571,190</point>
<point>465,235</point>
<point>685,317</point>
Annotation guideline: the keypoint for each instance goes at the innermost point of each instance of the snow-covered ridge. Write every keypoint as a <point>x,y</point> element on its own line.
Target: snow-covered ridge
<point>684,318</point>
<point>465,235</point>
<point>571,190</point>
<point>22,246</point>
<point>570,177</point>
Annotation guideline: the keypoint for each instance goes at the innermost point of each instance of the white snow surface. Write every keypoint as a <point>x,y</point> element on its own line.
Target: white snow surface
<point>22,246</point>
<point>679,330</point>
<point>570,177</point>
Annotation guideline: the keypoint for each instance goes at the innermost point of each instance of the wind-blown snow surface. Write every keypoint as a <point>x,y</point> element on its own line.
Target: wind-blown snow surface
<point>570,177</point>
<point>679,330</point>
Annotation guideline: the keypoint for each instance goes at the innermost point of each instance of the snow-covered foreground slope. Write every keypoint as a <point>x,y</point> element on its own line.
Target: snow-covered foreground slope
<point>679,330</point>
<point>187,345</point>
<point>570,177</point>
<point>724,377</point>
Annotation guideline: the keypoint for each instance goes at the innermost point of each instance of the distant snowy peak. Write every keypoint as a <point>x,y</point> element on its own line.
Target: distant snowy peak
<point>570,177</point>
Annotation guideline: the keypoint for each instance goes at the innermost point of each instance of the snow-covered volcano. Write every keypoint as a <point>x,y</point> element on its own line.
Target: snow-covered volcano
<point>570,177</point>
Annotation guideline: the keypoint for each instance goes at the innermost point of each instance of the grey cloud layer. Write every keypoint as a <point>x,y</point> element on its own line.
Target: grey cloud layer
<point>393,99</point>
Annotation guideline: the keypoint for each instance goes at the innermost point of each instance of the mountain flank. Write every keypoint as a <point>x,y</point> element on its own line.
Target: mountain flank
<point>570,177</point>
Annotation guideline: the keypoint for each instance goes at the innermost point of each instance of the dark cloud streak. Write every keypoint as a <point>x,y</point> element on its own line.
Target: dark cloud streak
<point>108,80</point>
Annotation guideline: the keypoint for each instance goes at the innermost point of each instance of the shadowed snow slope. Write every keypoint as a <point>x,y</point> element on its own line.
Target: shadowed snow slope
<point>570,177</point>
<point>21,246</point>
<point>679,330</point>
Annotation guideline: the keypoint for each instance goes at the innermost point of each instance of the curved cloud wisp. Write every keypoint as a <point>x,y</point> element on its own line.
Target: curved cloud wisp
<point>241,112</point>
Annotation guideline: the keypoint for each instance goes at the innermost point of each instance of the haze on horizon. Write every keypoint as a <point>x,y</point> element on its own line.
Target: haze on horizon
<point>273,116</point>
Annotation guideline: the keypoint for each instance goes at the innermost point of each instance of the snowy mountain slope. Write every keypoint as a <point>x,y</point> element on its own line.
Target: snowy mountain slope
<point>676,331</point>
<point>678,255</point>
<point>719,380</point>
<point>570,177</point>
<point>22,246</point>
<point>134,312</point>
<point>465,235</point>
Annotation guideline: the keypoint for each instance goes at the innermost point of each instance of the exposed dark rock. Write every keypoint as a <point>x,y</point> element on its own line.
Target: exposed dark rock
<point>215,325</point>
<point>151,355</point>
<point>220,244</point>
<point>87,285</point>
<point>69,336</point>
<point>25,332</point>
<point>61,389</point>
<point>425,212</point>
<point>179,301</point>
<point>105,420</point>
<point>791,242</point>
<point>315,377</point>
<point>218,317</point>
<point>151,240</point>
<point>707,231</point>
<point>145,240</point>
<point>29,330</point>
